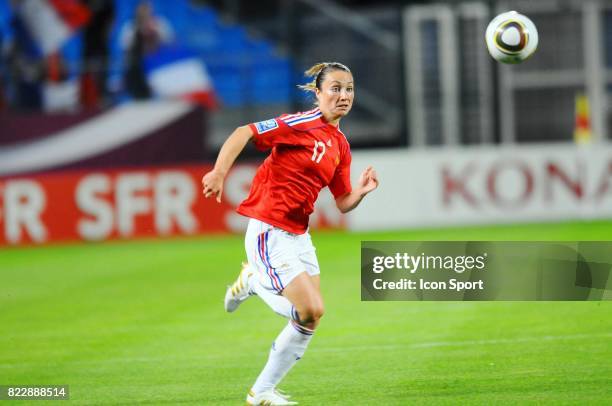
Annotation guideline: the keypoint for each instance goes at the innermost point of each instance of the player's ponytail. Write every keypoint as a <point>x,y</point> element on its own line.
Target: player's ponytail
<point>318,72</point>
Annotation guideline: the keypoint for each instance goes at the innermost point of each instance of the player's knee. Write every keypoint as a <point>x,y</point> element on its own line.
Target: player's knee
<point>311,313</point>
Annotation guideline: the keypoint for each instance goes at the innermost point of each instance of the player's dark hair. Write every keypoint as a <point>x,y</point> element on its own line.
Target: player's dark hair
<point>318,73</point>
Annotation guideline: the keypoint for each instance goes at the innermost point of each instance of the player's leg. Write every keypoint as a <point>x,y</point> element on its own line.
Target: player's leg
<point>307,300</point>
<point>308,258</point>
<point>247,284</point>
<point>267,291</point>
<point>285,270</point>
<point>293,340</point>
<point>278,303</point>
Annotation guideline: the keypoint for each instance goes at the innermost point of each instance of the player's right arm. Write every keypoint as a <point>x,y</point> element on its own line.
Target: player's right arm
<point>212,182</point>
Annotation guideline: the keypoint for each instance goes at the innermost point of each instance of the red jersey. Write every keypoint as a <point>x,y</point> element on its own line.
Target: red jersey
<point>308,154</point>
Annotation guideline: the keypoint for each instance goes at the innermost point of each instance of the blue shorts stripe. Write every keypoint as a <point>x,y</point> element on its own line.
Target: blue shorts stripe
<point>271,267</point>
<point>260,246</point>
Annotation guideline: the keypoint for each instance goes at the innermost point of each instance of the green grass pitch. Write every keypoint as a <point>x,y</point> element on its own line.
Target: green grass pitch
<point>143,322</point>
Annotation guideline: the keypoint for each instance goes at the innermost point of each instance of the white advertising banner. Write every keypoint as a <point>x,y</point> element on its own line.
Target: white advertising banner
<point>485,185</point>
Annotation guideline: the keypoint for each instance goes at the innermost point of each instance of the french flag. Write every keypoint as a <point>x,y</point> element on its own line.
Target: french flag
<point>51,22</point>
<point>174,72</point>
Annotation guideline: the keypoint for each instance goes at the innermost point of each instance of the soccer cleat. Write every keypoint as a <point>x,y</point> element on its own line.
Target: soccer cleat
<point>272,397</point>
<point>239,291</point>
<point>282,394</point>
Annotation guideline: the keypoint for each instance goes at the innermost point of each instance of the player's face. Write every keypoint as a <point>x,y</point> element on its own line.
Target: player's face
<point>336,94</point>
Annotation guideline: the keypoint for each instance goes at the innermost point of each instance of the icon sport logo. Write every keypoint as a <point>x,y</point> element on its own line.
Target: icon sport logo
<point>265,126</point>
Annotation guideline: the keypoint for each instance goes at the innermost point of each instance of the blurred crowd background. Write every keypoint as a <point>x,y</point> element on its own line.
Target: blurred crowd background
<point>422,71</point>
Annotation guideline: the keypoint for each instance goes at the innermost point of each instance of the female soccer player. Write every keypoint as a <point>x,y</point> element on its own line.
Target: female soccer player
<point>309,152</point>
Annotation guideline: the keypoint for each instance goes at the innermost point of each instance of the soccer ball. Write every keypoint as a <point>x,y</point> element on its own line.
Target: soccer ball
<point>511,37</point>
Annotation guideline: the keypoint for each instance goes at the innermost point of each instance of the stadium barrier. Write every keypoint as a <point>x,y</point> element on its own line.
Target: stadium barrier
<point>419,188</point>
<point>485,185</point>
<point>127,203</point>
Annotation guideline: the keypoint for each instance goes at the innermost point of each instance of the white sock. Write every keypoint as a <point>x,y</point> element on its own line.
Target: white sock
<point>280,304</point>
<point>288,347</point>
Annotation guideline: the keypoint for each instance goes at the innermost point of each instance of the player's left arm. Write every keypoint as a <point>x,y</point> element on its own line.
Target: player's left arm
<point>368,181</point>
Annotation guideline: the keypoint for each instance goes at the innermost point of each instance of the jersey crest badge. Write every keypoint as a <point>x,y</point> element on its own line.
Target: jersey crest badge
<point>329,143</point>
<point>265,126</point>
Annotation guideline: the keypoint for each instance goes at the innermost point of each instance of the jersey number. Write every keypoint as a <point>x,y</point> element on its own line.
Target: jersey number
<point>318,151</point>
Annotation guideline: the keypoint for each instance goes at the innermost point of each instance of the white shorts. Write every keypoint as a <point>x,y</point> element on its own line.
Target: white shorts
<point>278,255</point>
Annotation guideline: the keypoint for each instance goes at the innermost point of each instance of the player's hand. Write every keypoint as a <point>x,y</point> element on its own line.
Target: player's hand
<point>212,185</point>
<point>368,181</point>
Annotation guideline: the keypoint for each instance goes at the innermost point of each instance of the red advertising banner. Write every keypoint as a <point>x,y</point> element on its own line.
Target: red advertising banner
<point>128,203</point>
